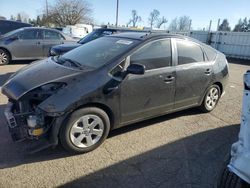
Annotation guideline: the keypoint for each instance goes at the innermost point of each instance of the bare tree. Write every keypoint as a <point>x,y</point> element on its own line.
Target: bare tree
<point>135,18</point>
<point>161,21</point>
<point>173,26</point>
<point>180,24</point>
<point>153,17</point>
<point>184,23</point>
<point>69,12</point>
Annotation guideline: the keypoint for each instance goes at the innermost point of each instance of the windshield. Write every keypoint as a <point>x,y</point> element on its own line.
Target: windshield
<point>12,32</point>
<point>98,52</point>
<point>94,35</point>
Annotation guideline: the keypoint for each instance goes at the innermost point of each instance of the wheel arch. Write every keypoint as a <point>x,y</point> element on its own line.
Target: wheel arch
<point>103,107</point>
<point>220,86</point>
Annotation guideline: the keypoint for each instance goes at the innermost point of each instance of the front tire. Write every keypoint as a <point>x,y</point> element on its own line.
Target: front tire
<point>211,99</point>
<point>4,57</point>
<point>85,130</point>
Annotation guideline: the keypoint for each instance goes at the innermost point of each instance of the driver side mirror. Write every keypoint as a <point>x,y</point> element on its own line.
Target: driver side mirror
<point>136,69</point>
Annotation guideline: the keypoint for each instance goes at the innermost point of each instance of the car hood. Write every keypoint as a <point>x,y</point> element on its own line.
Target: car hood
<point>66,47</point>
<point>35,75</point>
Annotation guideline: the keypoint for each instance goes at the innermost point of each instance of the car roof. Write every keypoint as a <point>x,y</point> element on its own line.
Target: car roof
<point>146,35</point>
<point>42,28</point>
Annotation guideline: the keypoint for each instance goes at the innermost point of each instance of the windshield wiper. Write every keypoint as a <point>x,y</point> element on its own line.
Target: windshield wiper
<point>75,63</point>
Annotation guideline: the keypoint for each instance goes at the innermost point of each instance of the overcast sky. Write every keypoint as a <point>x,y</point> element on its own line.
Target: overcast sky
<point>200,11</point>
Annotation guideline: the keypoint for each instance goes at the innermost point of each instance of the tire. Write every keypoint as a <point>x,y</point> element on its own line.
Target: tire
<point>85,130</point>
<point>211,98</point>
<point>227,179</point>
<point>230,180</point>
<point>4,57</point>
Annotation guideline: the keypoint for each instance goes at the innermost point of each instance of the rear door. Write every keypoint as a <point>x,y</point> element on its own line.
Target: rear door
<point>28,45</point>
<point>150,94</point>
<point>193,73</point>
<point>51,38</point>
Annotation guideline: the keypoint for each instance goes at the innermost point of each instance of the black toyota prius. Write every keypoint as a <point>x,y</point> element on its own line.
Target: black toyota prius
<point>113,81</point>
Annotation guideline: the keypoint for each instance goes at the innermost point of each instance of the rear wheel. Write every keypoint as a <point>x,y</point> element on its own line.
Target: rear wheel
<point>4,57</point>
<point>211,98</point>
<point>85,130</point>
<point>230,180</point>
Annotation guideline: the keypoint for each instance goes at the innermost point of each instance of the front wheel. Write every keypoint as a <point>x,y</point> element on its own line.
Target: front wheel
<point>86,129</point>
<point>211,98</point>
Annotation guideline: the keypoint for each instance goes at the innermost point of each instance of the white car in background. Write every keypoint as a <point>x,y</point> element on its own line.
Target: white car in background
<point>78,30</point>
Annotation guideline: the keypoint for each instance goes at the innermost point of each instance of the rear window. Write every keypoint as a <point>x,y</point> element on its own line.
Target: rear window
<point>210,52</point>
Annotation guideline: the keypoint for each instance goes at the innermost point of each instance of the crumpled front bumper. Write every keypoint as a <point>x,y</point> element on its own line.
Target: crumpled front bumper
<point>240,152</point>
<point>16,124</point>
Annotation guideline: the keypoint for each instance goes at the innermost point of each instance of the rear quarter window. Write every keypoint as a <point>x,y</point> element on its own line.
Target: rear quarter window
<point>188,52</point>
<point>210,53</point>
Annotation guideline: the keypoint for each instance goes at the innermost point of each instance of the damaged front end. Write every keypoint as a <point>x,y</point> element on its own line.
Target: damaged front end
<point>25,119</point>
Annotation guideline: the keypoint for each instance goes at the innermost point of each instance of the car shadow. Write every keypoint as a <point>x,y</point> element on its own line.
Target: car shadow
<point>21,62</point>
<point>194,161</point>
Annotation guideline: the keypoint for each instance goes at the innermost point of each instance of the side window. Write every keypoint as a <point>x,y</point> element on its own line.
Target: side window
<point>30,34</point>
<point>52,35</point>
<point>154,55</point>
<point>188,52</point>
<point>210,52</point>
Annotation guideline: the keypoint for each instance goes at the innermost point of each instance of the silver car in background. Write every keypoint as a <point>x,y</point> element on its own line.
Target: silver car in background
<point>29,43</point>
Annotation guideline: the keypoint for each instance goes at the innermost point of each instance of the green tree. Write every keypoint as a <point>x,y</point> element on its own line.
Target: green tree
<point>19,18</point>
<point>225,26</point>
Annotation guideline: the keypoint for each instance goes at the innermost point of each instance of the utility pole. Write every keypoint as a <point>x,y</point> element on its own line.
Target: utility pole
<point>210,25</point>
<point>117,11</point>
<point>47,9</point>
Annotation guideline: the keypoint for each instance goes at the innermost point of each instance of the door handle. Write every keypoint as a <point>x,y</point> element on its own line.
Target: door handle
<point>208,71</point>
<point>168,79</point>
<point>38,43</point>
<point>62,42</point>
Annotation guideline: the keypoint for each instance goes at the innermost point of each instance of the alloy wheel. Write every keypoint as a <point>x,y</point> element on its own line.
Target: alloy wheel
<point>212,98</point>
<point>3,58</point>
<point>87,131</point>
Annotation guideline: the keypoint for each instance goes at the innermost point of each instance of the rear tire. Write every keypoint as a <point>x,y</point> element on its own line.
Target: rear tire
<point>85,130</point>
<point>230,180</point>
<point>4,57</point>
<point>211,98</point>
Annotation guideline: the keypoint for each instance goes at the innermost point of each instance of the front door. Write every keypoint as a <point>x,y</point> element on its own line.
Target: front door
<point>151,94</point>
